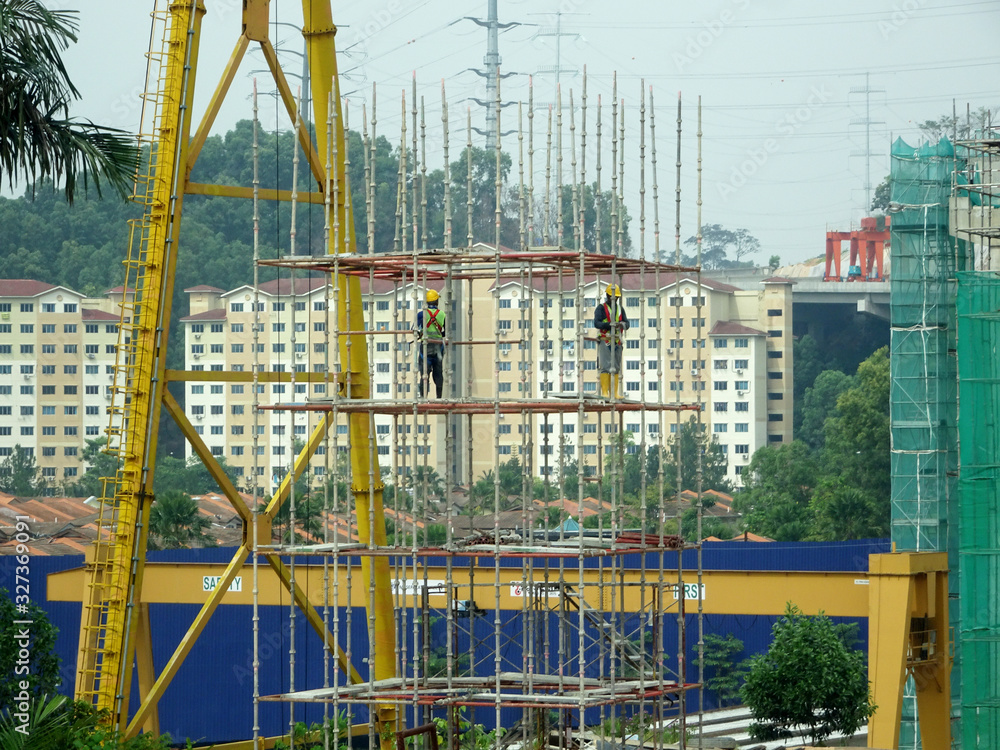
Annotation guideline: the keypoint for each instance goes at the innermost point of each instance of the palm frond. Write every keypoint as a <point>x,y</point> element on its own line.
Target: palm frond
<point>38,139</point>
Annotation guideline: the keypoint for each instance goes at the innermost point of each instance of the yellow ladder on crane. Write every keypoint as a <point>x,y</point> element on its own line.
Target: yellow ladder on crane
<point>114,564</point>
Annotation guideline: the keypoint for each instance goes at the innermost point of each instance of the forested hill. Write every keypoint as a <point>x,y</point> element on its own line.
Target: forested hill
<point>82,246</point>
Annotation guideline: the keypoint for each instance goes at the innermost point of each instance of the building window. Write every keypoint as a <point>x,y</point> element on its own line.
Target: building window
<point>774,334</point>
<point>772,396</point>
<point>774,376</point>
<point>741,449</point>
<point>720,385</point>
<point>774,355</point>
<point>721,343</point>
<point>742,406</point>
<point>741,343</point>
<point>775,417</point>
<point>721,406</point>
<point>774,312</point>
<point>742,427</point>
<point>743,385</point>
<point>720,427</point>
<point>720,364</point>
<point>775,439</point>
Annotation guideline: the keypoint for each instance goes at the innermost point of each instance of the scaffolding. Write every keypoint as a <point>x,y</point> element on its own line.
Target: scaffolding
<point>923,367</point>
<point>975,220</point>
<point>545,628</point>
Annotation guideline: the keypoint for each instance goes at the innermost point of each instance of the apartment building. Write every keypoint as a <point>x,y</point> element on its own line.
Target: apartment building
<point>57,356</point>
<point>734,356</point>
<point>535,340</point>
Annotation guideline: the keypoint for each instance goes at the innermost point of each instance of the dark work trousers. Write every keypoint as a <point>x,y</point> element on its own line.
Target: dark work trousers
<point>431,361</point>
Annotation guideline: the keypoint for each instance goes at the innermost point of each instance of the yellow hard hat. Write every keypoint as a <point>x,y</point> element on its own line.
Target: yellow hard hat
<point>613,290</point>
<point>432,295</point>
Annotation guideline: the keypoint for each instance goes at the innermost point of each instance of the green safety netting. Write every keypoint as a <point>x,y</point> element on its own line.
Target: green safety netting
<point>978,308</point>
<point>923,397</point>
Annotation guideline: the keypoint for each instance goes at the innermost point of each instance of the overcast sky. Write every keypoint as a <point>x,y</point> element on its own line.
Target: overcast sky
<point>782,85</point>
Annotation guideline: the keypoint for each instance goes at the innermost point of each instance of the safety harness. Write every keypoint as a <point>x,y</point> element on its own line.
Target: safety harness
<point>605,336</point>
<point>435,330</point>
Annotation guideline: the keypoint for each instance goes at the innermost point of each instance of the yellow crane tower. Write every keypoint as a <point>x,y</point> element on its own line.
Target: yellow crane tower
<point>114,631</point>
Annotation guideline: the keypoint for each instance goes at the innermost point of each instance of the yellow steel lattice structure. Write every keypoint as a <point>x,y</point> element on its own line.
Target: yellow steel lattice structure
<point>115,563</point>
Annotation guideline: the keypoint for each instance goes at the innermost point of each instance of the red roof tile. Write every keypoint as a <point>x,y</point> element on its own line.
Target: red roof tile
<point>217,314</point>
<point>203,288</point>
<point>88,314</point>
<point>23,287</point>
<point>728,328</point>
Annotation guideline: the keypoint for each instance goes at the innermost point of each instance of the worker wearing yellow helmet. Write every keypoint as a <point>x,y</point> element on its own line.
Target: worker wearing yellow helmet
<point>611,323</point>
<point>430,336</point>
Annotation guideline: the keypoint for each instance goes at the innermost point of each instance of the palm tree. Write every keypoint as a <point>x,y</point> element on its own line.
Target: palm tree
<point>38,139</point>
<point>175,521</point>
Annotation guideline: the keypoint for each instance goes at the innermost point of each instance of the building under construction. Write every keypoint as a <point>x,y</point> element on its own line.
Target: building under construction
<point>560,632</point>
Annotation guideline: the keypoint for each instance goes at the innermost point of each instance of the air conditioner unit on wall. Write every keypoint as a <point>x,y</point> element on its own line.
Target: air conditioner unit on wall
<point>746,456</point>
<point>739,371</point>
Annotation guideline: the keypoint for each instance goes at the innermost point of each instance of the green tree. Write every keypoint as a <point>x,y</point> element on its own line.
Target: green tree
<point>99,464</point>
<point>37,136</point>
<point>692,446</point>
<point>778,485</point>
<point>592,203</point>
<point>960,127</point>
<point>819,403</point>
<point>880,199</point>
<point>42,675</point>
<point>807,683</point>
<point>724,675</point>
<point>857,439</point>
<point>721,247</point>
<point>190,476</point>
<point>176,522</point>
<point>841,512</point>
<point>19,474</point>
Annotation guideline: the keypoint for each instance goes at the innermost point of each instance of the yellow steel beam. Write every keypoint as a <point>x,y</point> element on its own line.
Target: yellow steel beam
<point>838,594</point>
<point>221,478</point>
<point>905,586</point>
<point>319,32</point>
<point>264,194</point>
<point>932,676</point>
<point>150,700</point>
<point>106,661</point>
<point>144,665</point>
<point>214,105</point>
<point>315,618</point>
<point>300,464</point>
<point>291,107</point>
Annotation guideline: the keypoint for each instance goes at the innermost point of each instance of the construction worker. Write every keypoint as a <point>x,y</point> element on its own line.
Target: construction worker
<point>611,322</point>
<point>430,336</point>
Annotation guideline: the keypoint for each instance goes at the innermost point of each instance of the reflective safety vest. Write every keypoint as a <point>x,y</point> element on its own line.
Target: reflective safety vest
<point>434,323</point>
<point>605,336</point>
